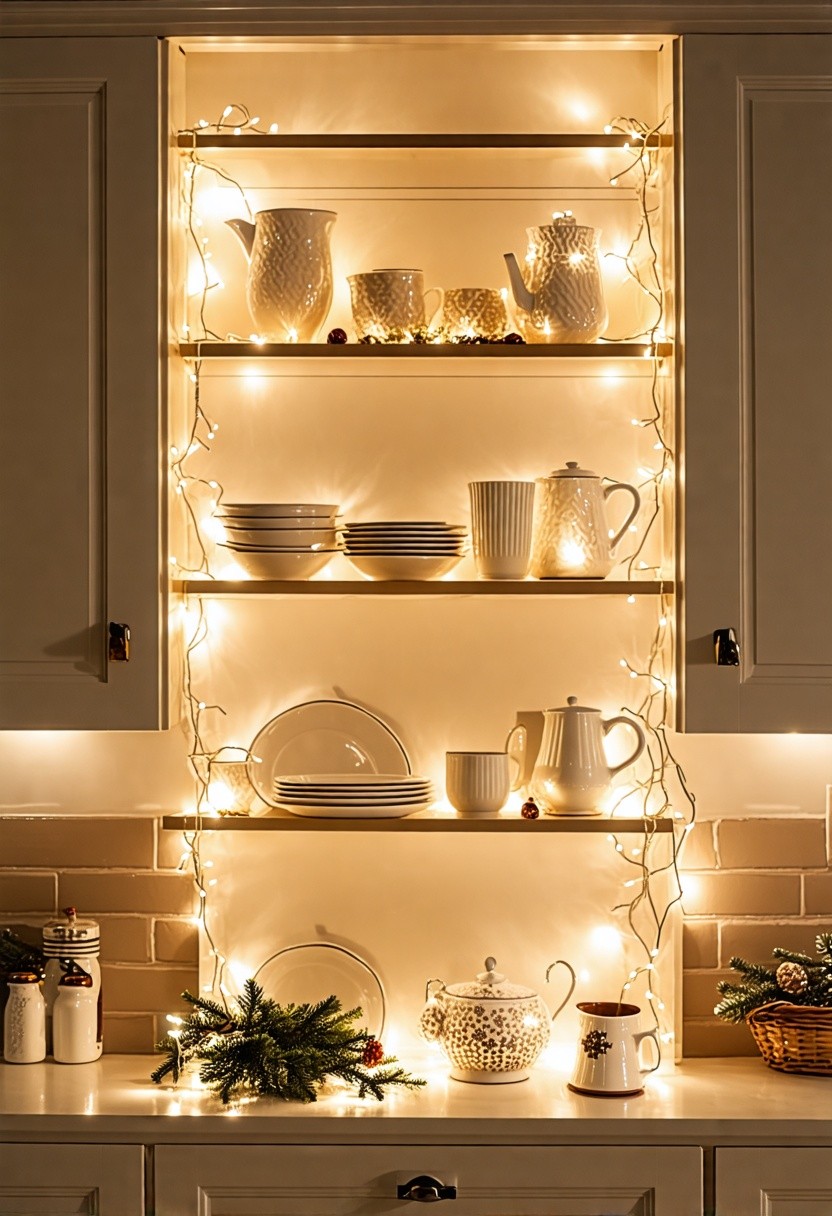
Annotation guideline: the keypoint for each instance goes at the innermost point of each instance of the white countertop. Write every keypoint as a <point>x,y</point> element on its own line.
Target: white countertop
<point>715,1101</point>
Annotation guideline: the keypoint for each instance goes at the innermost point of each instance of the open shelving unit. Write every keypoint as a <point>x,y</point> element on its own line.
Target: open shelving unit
<point>279,820</point>
<point>537,587</point>
<point>422,350</point>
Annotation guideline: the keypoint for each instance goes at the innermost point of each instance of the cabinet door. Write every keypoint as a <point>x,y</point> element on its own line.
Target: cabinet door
<point>305,1181</point>
<point>757,369</point>
<point>80,245</point>
<point>50,1179</point>
<point>778,1182</point>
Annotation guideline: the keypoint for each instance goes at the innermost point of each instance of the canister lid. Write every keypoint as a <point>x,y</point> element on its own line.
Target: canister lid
<point>572,470</point>
<point>572,703</point>
<point>491,984</point>
<point>70,936</point>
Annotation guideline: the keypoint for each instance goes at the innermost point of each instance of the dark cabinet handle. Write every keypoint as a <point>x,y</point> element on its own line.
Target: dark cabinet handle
<point>726,648</point>
<point>425,1189</point>
<point>118,642</point>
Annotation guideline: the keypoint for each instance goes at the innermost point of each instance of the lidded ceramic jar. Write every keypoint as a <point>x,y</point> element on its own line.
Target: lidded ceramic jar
<point>492,1031</point>
<point>71,943</point>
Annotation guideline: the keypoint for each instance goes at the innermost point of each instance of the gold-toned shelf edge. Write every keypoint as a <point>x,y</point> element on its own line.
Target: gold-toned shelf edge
<point>563,586</point>
<point>279,820</point>
<point>422,350</point>
<point>186,139</point>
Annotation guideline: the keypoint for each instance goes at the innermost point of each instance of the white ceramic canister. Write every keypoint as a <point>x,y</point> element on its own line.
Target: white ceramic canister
<point>75,1038</point>
<point>24,1020</point>
<point>71,944</point>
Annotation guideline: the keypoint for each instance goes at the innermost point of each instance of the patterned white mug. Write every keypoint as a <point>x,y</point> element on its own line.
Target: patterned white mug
<point>607,1063</point>
<point>389,300</point>
<point>477,782</point>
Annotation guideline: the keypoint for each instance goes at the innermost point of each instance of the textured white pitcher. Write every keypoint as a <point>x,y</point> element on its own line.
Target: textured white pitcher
<point>289,283</point>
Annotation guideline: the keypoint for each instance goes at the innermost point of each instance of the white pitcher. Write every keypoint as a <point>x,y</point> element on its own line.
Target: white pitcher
<point>571,536</point>
<point>289,283</point>
<point>572,776</point>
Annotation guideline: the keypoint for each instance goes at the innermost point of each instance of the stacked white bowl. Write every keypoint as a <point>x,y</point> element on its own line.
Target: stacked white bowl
<point>280,540</point>
<point>404,549</point>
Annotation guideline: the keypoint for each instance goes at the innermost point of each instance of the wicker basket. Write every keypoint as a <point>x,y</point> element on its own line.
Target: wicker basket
<point>794,1038</point>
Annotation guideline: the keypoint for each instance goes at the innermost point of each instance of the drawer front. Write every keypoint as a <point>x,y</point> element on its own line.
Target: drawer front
<point>82,1179</point>
<point>501,1181</point>
<point>779,1181</point>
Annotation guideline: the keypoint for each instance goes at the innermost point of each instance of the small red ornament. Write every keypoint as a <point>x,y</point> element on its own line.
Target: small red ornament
<point>336,337</point>
<point>529,809</point>
<point>373,1053</point>
<point>514,340</point>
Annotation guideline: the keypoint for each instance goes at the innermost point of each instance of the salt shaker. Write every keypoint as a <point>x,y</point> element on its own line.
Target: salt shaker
<point>24,1020</point>
<point>71,944</point>
<point>75,1038</point>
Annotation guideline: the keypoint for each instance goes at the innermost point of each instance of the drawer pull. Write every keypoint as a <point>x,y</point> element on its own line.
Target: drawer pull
<point>425,1189</point>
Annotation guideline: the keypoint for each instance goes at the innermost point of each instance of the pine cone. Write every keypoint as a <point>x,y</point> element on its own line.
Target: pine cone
<point>373,1053</point>
<point>792,978</point>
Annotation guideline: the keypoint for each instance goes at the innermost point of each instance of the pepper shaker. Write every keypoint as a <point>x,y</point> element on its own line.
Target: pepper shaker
<point>75,1020</point>
<point>71,945</point>
<point>24,1020</point>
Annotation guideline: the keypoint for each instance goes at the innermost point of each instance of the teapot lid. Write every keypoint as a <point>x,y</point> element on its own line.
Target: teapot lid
<point>491,984</point>
<point>572,704</point>
<point>572,470</point>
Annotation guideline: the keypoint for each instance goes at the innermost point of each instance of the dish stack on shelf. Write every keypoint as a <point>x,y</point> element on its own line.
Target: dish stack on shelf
<point>353,795</point>
<point>280,540</point>
<point>404,549</point>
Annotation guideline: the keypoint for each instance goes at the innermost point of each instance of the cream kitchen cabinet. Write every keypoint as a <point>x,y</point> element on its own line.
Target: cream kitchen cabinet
<point>778,1181</point>
<point>82,1179</point>
<point>757,253</point>
<point>305,1180</point>
<point>80,256</point>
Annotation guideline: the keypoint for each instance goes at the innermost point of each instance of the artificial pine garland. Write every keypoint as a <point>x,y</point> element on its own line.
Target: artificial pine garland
<point>796,978</point>
<point>281,1051</point>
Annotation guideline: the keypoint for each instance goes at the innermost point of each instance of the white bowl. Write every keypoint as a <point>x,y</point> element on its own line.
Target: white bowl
<point>277,523</point>
<point>384,567</point>
<point>260,563</point>
<point>282,538</point>
<point>283,510</point>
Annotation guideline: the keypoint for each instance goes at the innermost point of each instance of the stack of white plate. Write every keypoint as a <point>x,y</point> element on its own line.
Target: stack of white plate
<point>407,549</point>
<point>280,539</point>
<point>352,795</point>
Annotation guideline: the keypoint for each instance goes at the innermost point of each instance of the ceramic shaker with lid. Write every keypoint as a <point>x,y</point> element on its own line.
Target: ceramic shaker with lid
<point>571,537</point>
<point>24,1021</point>
<point>491,1030</point>
<point>71,944</point>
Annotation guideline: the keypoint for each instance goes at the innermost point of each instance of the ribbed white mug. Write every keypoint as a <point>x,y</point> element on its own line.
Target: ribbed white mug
<point>501,527</point>
<point>477,782</point>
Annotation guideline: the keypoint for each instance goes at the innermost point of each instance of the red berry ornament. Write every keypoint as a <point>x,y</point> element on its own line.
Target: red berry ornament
<point>336,337</point>
<point>529,809</point>
<point>373,1053</point>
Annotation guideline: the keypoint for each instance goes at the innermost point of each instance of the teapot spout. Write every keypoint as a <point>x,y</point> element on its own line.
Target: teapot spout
<point>522,296</point>
<point>245,231</point>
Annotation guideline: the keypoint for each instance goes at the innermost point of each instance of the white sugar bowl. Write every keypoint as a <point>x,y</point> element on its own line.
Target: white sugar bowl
<point>491,1031</point>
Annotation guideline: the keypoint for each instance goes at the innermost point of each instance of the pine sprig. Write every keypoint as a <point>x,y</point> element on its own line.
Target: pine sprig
<point>282,1051</point>
<point>759,984</point>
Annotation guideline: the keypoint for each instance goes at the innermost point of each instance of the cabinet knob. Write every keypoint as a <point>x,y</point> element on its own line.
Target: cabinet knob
<point>425,1189</point>
<point>118,642</point>
<point>726,648</point>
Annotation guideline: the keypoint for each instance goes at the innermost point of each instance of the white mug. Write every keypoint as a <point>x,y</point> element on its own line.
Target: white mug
<point>607,1063</point>
<point>477,782</point>
<point>501,527</point>
<point>388,300</point>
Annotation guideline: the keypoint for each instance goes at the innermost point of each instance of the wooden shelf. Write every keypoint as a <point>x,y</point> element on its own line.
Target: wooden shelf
<point>536,587</point>
<point>279,820</point>
<point>421,350</point>
<point>186,139</point>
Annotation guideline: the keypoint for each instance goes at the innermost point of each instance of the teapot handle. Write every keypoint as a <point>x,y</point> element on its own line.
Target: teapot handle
<point>622,485</point>
<point>561,962</point>
<point>608,724</point>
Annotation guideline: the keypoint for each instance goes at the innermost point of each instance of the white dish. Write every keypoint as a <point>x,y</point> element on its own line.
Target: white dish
<point>394,810</point>
<point>402,550</point>
<point>311,971</point>
<point>278,523</point>
<point>324,737</point>
<point>282,538</point>
<point>387,567</point>
<point>384,796</point>
<point>342,779</point>
<point>261,563</point>
<point>404,525</point>
<point>283,510</point>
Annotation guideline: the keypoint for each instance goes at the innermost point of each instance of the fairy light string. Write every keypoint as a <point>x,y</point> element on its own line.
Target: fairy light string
<point>646,913</point>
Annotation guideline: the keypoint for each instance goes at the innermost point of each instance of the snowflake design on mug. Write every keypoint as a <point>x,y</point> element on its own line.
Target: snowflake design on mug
<point>596,1044</point>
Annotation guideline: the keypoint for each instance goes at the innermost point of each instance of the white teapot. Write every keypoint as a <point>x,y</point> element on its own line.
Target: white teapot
<point>492,1031</point>
<point>570,534</point>
<point>572,775</point>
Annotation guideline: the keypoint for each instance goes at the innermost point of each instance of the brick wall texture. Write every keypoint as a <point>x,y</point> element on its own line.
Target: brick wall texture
<point>749,885</point>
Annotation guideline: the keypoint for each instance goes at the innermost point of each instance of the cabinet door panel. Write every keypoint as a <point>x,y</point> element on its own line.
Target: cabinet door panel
<point>82,1179</point>
<point>79,365</point>
<point>505,1181</point>
<point>777,1182</point>
<point>757,150</point>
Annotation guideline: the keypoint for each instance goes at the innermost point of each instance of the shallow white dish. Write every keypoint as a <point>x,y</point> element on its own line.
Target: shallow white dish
<point>262,563</point>
<point>277,523</point>
<point>379,549</point>
<point>393,810</point>
<point>411,567</point>
<point>324,737</point>
<point>282,538</point>
<point>310,971</point>
<point>284,510</point>
<point>404,525</point>
<point>294,798</point>
<point>342,779</point>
